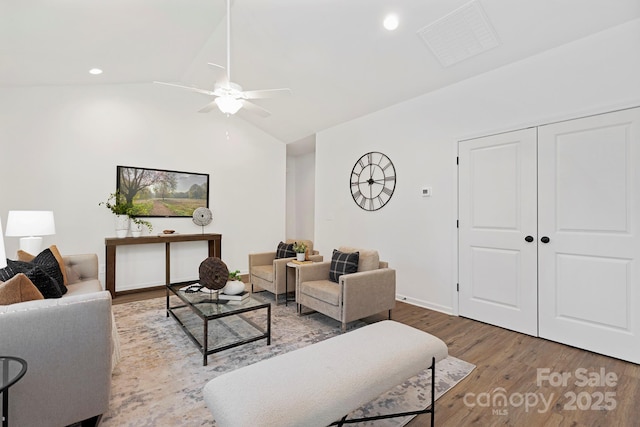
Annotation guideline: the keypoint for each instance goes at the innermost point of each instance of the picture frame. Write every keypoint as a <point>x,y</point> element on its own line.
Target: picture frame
<point>163,193</point>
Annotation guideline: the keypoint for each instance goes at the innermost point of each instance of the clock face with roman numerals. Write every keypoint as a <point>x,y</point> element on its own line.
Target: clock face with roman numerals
<point>373,180</point>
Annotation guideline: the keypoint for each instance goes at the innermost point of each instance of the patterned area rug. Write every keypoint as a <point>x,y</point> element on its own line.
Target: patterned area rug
<point>160,377</point>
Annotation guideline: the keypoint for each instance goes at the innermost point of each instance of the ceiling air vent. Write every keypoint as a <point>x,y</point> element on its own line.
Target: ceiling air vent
<point>461,34</point>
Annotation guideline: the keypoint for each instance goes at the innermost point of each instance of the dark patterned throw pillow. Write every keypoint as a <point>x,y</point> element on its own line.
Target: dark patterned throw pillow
<point>48,286</point>
<point>48,262</point>
<point>343,263</point>
<point>285,250</point>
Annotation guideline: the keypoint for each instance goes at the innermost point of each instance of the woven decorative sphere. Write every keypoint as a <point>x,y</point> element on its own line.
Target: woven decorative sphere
<point>213,273</point>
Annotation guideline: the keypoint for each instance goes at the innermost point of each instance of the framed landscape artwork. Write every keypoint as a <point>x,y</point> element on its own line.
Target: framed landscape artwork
<point>162,193</point>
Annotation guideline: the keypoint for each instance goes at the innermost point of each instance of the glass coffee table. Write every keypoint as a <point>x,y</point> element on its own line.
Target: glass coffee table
<point>215,325</point>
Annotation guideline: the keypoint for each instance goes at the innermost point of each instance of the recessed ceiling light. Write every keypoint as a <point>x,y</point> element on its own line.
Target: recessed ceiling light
<point>95,71</point>
<point>391,22</point>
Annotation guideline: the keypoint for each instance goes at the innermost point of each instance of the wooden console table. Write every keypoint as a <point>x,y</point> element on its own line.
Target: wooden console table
<point>215,249</point>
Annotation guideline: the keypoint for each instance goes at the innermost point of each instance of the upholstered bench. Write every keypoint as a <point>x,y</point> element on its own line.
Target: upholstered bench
<point>321,383</point>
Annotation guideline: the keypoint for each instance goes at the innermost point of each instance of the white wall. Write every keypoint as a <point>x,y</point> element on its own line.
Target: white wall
<point>60,147</point>
<point>301,196</point>
<point>418,235</point>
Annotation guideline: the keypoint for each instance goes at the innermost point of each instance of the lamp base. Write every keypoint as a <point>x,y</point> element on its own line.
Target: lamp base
<point>31,245</point>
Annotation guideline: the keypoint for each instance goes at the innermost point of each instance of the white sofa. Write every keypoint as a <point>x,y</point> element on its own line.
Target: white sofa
<point>67,344</point>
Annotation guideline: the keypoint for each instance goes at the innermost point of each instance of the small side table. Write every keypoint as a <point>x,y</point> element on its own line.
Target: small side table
<point>11,370</point>
<point>295,266</point>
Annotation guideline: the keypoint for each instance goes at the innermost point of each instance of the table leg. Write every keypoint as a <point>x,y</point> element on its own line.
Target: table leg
<point>110,273</point>
<point>5,394</point>
<point>167,263</point>
<point>215,248</point>
<point>167,291</point>
<point>5,408</point>
<point>269,324</point>
<point>205,342</point>
<point>286,285</point>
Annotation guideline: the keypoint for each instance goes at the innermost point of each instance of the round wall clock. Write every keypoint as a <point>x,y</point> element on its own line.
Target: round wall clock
<point>373,180</point>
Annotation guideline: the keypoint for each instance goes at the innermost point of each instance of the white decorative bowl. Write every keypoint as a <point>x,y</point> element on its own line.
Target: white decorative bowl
<point>233,287</point>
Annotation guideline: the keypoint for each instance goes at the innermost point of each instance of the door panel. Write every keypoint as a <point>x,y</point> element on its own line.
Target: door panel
<point>591,179</point>
<point>497,210</point>
<point>589,208</point>
<point>580,278</point>
<point>489,287</point>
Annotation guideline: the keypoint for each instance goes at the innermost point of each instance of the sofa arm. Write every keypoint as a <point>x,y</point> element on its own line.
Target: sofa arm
<point>315,271</point>
<point>66,343</point>
<point>261,258</point>
<point>368,292</point>
<point>316,257</point>
<point>81,267</point>
<point>279,271</point>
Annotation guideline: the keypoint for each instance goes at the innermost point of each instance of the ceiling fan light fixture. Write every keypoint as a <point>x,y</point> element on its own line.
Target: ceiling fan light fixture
<point>228,104</point>
<point>391,22</point>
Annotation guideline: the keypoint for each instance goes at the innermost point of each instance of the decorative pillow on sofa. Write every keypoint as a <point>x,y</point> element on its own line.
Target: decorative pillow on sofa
<point>26,256</point>
<point>18,289</point>
<point>47,285</point>
<point>48,262</point>
<point>285,250</point>
<point>343,263</point>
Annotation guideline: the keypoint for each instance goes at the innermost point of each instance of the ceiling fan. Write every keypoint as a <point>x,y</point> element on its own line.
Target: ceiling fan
<point>229,96</point>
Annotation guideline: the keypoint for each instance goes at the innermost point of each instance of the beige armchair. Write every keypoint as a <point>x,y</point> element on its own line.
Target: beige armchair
<point>268,273</point>
<point>370,290</point>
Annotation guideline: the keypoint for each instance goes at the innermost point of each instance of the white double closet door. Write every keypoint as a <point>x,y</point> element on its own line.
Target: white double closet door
<point>549,239</point>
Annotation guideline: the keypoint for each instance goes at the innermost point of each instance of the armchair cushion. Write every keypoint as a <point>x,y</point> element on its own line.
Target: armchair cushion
<point>368,259</point>
<point>285,250</point>
<point>323,290</point>
<point>343,263</point>
<point>263,271</point>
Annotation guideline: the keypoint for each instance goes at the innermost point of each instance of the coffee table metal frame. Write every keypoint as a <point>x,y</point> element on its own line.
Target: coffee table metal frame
<point>7,381</point>
<point>234,310</point>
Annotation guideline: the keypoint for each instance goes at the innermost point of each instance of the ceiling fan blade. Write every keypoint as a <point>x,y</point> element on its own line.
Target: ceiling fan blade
<point>191,88</point>
<point>255,109</point>
<point>210,106</point>
<point>222,77</point>
<point>216,65</point>
<point>266,93</point>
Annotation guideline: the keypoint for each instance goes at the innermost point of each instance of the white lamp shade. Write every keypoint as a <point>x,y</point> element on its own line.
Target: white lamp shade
<point>3,254</point>
<point>30,223</point>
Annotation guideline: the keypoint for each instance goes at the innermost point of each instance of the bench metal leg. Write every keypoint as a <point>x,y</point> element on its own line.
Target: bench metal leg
<point>431,409</point>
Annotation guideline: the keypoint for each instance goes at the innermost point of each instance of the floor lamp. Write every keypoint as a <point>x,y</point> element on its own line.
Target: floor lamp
<point>29,226</point>
<point>3,254</point>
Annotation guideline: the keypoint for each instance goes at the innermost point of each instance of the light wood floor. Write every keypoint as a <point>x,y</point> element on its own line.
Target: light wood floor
<point>507,364</point>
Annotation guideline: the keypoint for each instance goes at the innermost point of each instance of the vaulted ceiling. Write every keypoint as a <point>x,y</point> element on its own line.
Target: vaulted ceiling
<point>335,55</point>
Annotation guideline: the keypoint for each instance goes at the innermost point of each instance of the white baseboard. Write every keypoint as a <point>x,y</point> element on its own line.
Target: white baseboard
<point>425,304</point>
